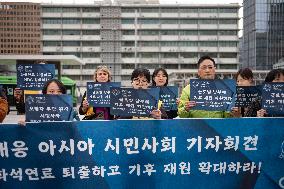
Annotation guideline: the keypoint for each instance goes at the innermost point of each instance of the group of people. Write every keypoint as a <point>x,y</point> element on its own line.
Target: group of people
<point>244,77</point>
<point>141,79</point>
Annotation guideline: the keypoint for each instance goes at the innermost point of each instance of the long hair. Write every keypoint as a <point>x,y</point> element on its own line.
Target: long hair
<point>155,73</point>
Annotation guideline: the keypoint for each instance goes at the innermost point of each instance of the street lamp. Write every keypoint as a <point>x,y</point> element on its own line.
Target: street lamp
<point>114,52</point>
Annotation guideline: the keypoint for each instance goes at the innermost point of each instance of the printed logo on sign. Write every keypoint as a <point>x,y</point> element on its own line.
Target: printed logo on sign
<point>267,87</point>
<point>281,156</point>
<point>115,92</point>
<point>241,90</point>
<point>90,86</point>
<point>20,68</point>
<point>30,100</point>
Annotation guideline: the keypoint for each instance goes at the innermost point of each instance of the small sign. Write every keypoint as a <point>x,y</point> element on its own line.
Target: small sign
<point>41,108</point>
<point>34,76</point>
<point>133,102</point>
<point>169,95</point>
<point>273,98</point>
<point>98,94</point>
<point>246,95</point>
<point>213,95</point>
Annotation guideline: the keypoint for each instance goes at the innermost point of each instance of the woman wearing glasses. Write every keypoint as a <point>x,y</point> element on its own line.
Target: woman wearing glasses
<point>102,74</point>
<point>140,79</point>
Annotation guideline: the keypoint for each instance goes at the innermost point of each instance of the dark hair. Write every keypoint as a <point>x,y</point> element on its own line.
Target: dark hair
<point>245,73</point>
<point>155,73</point>
<point>141,72</point>
<point>206,57</point>
<point>273,74</point>
<point>58,83</point>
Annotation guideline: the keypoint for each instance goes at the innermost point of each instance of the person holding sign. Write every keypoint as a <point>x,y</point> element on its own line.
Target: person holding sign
<point>140,79</point>
<point>244,78</point>
<point>206,70</point>
<point>160,79</point>
<point>4,107</point>
<point>102,74</point>
<point>255,110</point>
<point>53,87</point>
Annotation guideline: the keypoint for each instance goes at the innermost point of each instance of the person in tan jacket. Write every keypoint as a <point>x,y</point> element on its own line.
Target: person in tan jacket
<point>4,107</point>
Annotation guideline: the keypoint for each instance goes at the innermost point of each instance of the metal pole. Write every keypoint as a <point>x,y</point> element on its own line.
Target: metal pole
<point>135,41</point>
<point>114,46</point>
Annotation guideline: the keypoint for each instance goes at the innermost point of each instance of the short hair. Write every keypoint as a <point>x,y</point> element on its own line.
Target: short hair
<point>141,72</point>
<point>245,73</point>
<point>155,73</point>
<point>105,69</point>
<point>206,57</point>
<point>58,83</point>
<point>273,74</point>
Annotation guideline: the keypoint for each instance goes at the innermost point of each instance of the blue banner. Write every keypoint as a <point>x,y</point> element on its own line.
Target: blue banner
<point>273,98</point>
<point>98,94</point>
<point>127,102</point>
<point>246,95</point>
<point>213,95</point>
<point>212,153</point>
<point>169,95</point>
<point>34,76</point>
<point>48,108</point>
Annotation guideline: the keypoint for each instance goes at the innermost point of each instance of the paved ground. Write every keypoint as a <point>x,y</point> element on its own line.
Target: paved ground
<point>12,117</point>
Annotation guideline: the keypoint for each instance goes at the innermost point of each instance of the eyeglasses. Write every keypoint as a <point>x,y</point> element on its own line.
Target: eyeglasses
<point>207,67</point>
<point>138,81</point>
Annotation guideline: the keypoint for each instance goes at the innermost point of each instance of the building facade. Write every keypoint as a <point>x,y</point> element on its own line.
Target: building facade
<point>263,33</point>
<point>126,36</point>
<point>20,28</point>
